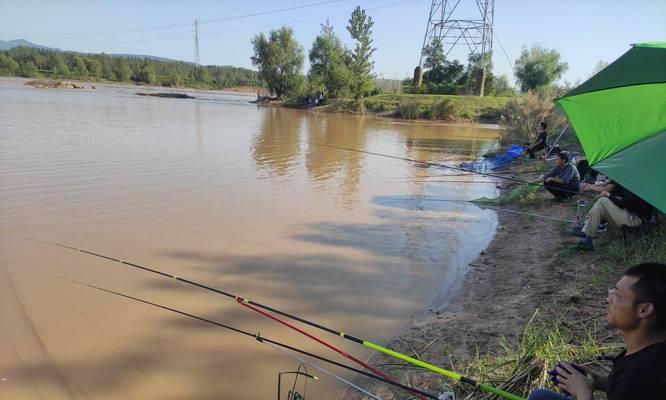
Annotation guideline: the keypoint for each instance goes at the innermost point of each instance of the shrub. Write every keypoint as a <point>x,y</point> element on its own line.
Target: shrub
<point>522,115</point>
<point>444,110</point>
<point>409,110</point>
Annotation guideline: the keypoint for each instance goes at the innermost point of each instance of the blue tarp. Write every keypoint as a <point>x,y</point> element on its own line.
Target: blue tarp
<point>496,162</point>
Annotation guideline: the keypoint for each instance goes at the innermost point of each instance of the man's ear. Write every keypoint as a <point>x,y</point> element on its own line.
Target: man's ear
<point>646,310</point>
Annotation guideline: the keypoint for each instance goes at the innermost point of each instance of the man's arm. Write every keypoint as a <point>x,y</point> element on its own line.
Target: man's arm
<point>551,174</point>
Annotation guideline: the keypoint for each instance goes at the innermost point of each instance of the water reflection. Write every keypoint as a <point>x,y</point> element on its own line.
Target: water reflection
<point>276,147</point>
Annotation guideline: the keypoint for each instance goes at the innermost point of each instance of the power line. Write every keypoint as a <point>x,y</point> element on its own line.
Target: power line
<point>168,26</point>
<point>207,21</point>
<point>250,28</point>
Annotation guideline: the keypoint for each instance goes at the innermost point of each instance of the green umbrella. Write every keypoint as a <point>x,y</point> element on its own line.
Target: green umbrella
<point>619,116</point>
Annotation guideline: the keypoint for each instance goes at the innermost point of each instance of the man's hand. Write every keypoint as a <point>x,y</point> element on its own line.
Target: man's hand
<point>579,385</point>
<point>604,194</point>
<point>547,180</point>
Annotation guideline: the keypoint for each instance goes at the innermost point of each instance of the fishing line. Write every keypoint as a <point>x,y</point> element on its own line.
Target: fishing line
<point>430,367</point>
<point>501,209</point>
<point>442,165</point>
<point>256,336</point>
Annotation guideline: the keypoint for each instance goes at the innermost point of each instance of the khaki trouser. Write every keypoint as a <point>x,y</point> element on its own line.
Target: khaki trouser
<point>605,210</point>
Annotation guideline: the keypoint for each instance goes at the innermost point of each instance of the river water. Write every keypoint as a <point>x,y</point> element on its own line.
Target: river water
<point>217,190</point>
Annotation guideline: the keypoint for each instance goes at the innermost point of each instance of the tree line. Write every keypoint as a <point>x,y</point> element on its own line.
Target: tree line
<point>334,69</point>
<point>340,72</point>
<point>34,62</point>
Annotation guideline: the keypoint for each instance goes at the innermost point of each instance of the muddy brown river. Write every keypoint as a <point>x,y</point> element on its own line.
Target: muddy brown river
<point>240,197</point>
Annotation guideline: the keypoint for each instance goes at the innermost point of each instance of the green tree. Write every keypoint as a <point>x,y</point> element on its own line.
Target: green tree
<point>174,80</point>
<point>279,59</point>
<point>79,67</point>
<point>107,69</point>
<point>94,68</point>
<point>433,54</point>
<point>330,63</point>
<point>147,74</point>
<point>502,87</point>
<point>123,71</point>
<point>29,69</point>
<point>538,67</point>
<point>8,66</point>
<point>201,75</point>
<point>40,61</point>
<point>360,28</point>
<point>58,65</point>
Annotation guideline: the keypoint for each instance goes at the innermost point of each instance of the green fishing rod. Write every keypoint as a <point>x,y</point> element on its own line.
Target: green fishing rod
<point>432,368</point>
<point>257,336</point>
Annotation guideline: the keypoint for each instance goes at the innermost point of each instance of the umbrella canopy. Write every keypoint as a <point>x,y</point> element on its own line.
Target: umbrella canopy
<point>619,116</point>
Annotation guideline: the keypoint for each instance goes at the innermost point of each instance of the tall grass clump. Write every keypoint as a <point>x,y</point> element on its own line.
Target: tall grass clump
<point>545,340</point>
<point>409,110</point>
<point>444,110</point>
<point>522,115</point>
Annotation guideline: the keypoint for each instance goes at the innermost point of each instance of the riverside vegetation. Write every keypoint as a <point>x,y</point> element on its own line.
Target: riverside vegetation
<point>45,63</point>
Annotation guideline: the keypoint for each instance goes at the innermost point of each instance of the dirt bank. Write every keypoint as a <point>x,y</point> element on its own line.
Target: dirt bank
<point>528,266</point>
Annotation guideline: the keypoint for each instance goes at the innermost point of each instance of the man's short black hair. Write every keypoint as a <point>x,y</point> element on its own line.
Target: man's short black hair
<point>651,288</point>
<point>542,124</point>
<point>564,156</point>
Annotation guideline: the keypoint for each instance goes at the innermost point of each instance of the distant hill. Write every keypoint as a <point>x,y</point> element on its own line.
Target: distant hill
<point>10,44</point>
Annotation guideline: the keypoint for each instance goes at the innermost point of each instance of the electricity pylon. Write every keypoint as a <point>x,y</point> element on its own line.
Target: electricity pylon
<point>476,32</point>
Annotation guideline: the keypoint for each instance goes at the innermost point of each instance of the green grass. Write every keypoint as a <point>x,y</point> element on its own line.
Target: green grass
<point>524,196</point>
<point>519,367</point>
<point>425,106</point>
<point>554,335</point>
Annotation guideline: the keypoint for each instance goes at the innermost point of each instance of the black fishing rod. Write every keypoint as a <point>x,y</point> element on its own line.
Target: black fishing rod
<point>247,302</point>
<point>440,165</point>
<point>258,337</point>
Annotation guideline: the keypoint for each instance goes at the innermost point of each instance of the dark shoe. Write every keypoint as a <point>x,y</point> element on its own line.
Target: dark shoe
<point>584,245</point>
<point>575,231</point>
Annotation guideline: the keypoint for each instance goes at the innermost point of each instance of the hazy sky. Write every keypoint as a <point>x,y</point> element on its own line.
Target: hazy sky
<point>583,31</point>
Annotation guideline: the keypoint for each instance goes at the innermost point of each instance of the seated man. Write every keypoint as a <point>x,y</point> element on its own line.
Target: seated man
<point>637,308</point>
<point>563,180</point>
<point>619,207</point>
<point>540,142</point>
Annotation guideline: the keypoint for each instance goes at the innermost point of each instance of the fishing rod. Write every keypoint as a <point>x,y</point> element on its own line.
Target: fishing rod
<point>441,165</point>
<point>233,296</point>
<point>433,368</point>
<point>257,336</point>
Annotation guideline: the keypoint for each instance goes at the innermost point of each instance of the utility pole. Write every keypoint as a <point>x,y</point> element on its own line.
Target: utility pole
<point>476,33</point>
<point>196,41</point>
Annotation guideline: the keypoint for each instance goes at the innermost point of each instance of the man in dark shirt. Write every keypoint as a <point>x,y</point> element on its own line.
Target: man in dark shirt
<point>618,207</point>
<point>637,308</point>
<point>563,180</point>
<point>540,142</point>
